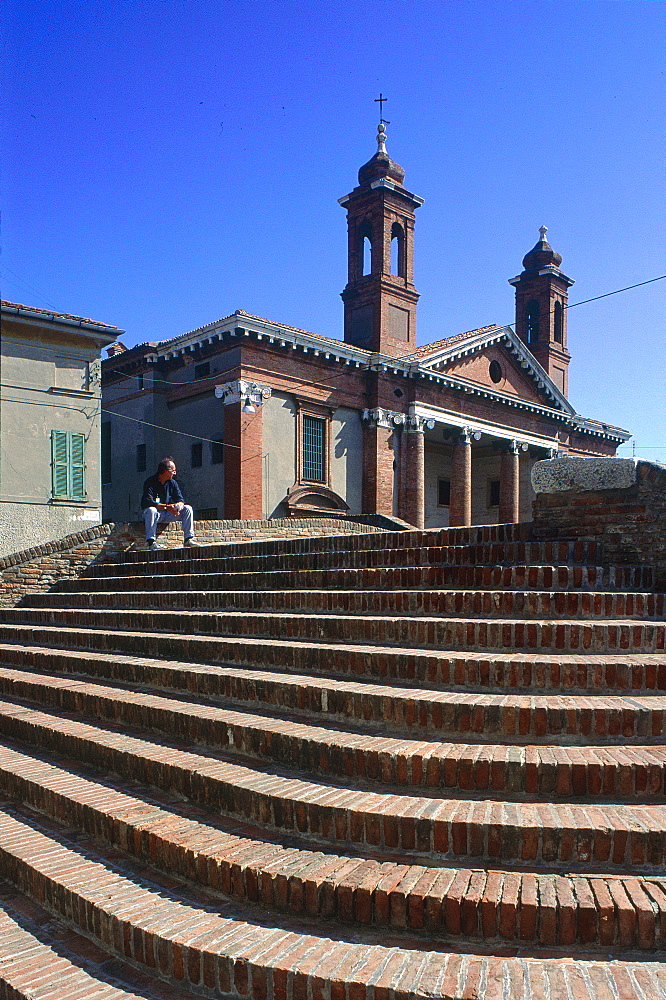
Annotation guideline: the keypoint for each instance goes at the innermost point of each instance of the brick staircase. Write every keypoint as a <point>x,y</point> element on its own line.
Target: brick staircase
<point>363,767</point>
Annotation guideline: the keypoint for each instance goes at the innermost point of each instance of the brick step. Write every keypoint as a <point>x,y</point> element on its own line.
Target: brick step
<point>36,963</point>
<point>397,705</point>
<point>40,956</point>
<point>513,540</point>
<point>519,577</point>
<point>502,603</point>
<point>330,812</point>
<point>417,632</point>
<point>520,907</point>
<point>220,953</point>
<point>541,770</point>
<point>213,558</point>
<point>433,668</point>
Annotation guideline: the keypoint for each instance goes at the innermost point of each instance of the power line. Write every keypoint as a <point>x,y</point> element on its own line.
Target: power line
<point>616,292</point>
<point>333,378</point>
<point>571,305</point>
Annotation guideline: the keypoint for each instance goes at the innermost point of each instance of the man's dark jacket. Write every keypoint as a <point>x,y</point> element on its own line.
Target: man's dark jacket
<point>155,492</point>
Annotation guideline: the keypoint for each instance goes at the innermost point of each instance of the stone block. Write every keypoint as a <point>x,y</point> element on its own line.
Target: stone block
<point>558,475</point>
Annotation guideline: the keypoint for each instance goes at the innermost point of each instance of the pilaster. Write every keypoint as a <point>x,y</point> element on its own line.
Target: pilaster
<point>379,427</point>
<point>243,440</point>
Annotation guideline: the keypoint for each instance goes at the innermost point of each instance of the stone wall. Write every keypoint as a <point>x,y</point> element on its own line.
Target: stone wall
<point>620,502</point>
<point>41,566</point>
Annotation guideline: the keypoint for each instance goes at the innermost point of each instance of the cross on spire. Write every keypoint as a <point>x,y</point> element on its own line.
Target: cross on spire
<point>381,100</point>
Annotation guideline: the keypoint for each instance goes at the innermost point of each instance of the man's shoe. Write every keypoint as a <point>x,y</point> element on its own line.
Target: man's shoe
<point>152,544</point>
<point>190,543</point>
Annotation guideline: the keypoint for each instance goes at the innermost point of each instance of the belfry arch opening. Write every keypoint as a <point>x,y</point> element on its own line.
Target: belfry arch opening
<point>558,325</point>
<point>397,250</point>
<point>365,249</point>
<point>532,322</point>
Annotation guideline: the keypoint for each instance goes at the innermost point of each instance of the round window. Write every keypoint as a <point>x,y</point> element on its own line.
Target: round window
<point>495,371</point>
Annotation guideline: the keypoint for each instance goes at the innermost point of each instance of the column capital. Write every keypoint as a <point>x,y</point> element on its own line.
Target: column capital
<point>380,417</point>
<point>467,435</point>
<point>415,424</point>
<point>236,392</point>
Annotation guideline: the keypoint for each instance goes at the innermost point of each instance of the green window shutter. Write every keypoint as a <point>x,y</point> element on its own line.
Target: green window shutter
<point>68,450</point>
<point>59,463</point>
<point>77,454</point>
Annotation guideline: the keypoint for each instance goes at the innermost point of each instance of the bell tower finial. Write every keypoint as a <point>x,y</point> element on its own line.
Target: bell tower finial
<point>543,230</point>
<point>381,138</point>
<point>381,100</point>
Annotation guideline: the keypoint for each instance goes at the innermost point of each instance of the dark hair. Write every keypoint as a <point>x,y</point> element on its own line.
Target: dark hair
<point>164,465</point>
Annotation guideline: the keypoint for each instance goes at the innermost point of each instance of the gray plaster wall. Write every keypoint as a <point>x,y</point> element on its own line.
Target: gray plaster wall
<point>166,429</point>
<point>198,419</point>
<point>47,385</point>
<point>24,525</point>
<point>347,457</point>
<point>142,416</point>
<point>279,448</point>
<point>131,425</point>
<point>279,452</point>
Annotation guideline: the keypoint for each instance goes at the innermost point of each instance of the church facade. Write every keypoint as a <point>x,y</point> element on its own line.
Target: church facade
<point>265,420</point>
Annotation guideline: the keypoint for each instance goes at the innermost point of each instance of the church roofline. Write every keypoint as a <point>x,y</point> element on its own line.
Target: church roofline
<point>244,324</point>
<point>478,340</point>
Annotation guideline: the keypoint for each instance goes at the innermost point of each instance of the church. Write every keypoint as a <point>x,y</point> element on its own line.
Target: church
<point>266,420</point>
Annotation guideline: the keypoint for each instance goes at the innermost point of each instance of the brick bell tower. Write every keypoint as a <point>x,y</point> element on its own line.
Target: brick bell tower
<point>542,292</point>
<point>380,297</point>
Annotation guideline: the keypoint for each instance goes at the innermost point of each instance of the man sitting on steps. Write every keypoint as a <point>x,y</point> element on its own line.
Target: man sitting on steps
<point>163,501</point>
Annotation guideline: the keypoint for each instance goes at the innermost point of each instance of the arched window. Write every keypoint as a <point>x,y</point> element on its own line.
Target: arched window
<point>365,249</point>
<point>367,255</point>
<point>397,250</point>
<point>559,316</point>
<point>532,322</point>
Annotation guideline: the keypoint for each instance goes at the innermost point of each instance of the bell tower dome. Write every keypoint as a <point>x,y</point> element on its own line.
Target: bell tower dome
<point>380,297</point>
<point>542,292</point>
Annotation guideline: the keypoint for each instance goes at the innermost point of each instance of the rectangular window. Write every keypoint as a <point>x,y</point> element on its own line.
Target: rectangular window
<point>202,370</point>
<point>68,465</point>
<point>197,455</point>
<point>443,492</point>
<point>313,449</point>
<point>141,458</point>
<point>217,451</point>
<point>494,493</point>
<point>106,452</point>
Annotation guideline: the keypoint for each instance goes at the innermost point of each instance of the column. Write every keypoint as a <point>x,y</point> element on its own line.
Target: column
<point>509,499</point>
<point>413,492</point>
<point>243,440</point>
<point>460,507</point>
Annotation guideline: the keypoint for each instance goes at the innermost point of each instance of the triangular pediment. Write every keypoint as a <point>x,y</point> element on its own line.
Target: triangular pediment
<point>496,359</point>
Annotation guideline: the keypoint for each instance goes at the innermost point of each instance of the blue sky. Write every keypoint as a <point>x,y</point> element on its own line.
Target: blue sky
<point>170,161</point>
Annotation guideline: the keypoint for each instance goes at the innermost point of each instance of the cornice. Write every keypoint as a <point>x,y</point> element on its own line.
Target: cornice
<point>240,328</point>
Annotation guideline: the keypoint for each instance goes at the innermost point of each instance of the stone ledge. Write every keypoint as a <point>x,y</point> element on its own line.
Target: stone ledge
<point>582,474</point>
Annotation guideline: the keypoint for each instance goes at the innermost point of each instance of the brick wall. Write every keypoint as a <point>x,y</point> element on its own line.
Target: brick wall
<point>629,519</point>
